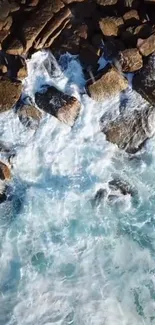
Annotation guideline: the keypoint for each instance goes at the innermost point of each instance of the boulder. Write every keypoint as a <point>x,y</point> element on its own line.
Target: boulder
<point>5,173</point>
<point>110,25</point>
<point>130,130</point>
<point>147,46</point>
<point>134,4</point>
<point>10,92</point>
<point>130,60</point>
<point>107,83</point>
<point>144,80</point>
<point>53,101</point>
<point>29,116</point>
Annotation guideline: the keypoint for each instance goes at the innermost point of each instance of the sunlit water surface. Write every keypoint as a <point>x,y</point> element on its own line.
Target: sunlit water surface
<point>63,261</point>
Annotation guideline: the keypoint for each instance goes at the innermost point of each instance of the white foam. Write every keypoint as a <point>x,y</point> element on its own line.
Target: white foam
<point>98,263</point>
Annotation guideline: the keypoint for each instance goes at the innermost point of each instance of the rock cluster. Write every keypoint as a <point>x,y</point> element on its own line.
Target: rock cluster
<point>122,31</point>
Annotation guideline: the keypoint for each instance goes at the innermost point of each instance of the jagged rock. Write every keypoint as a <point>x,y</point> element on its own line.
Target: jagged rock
<point>147,46</point>
<point>144,80</point>
<point>10,92</point>
<point>29,116</point>
<point>107,83</point>
<point>130,60</point>
<point>5,173</point>
<point>66,108</point>
<point>130,131</point>
<point>106,2</point>
<point>143,31</point>
<point>22,72</point>
<point>53,29</point>
<point>110,25</point>
<point>6,23</point>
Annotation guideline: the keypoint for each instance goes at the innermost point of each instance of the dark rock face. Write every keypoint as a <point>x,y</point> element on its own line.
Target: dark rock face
<point>107,83</point>
<point>130,131</point>
<point>144,81</point>
<point>123,186</point>
<point>66,108</point>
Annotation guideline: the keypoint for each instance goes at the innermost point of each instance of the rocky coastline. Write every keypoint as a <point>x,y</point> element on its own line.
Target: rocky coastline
<point>120,31</point>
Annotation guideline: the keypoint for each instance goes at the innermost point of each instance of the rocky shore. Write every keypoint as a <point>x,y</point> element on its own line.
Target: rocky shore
<point>120,31</point>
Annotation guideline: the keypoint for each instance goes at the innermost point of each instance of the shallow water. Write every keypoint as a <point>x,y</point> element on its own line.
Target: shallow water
<point>64,261</point>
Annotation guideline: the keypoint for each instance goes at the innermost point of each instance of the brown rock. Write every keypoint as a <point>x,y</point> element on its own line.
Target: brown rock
<point>6,23</point>
<point>22,73</point>
<point>147,46</point>
<point>10,92</point>
<point>66,108</point>
<point>34,3</point>
<point>131,17</point>
<point>6,7</point>
<point>5,173</point>
<point>29,116</point>
<point>130,60</point>
<point>106,2</point>
<point>107,83</point>
<point>110,25</point>
<point>38,20</point>
<point>51,30</point>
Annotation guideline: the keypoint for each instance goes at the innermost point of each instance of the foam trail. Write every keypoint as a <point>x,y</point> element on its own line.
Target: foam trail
<point>62,261</point>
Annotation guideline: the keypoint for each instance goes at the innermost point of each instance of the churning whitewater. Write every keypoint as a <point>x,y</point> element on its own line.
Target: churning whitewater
<point>64,260</point>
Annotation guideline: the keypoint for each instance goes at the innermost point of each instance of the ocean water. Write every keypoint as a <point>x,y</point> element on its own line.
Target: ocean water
<point>63,260</point>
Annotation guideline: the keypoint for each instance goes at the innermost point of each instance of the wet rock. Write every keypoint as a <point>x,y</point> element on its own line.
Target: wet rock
<point>99,196</point>
<point>147,46</point>
<point>124,187</point>
<point>107,83</point>
<point>66,108</point>
<point>110,25</point>
<point>106,2</point>
<point>144,80</point>
<point>29,116</point>
<point>130,60</point>
<point>5,173</point>
<point>3,69</point>
<point>130,131</point>
<point>10,92</point>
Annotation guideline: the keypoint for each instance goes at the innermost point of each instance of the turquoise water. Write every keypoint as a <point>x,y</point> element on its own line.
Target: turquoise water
<point>63,260</point>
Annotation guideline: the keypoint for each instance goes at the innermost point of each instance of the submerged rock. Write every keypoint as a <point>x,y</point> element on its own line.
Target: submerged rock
<point>10,92</point>
<point>53,101</point>
<point>130,131</point>
<point>99,196</point>
<point>107,83</point>
<point>29,116</point>
<point>124,187</point>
